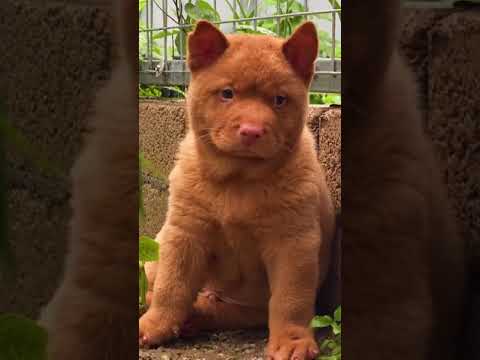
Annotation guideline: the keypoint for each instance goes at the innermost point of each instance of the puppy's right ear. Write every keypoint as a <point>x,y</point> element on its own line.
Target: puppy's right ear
<point>205,45</point>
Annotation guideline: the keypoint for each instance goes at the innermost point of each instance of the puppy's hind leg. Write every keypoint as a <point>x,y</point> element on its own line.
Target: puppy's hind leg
<point>212,313</point>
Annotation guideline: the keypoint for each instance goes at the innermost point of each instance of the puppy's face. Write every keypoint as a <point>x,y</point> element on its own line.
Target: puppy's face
<point>248,94</point>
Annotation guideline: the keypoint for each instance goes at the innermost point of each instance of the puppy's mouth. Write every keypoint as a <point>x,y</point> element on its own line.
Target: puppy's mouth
<point>239,152</point>
<point>233,149</point>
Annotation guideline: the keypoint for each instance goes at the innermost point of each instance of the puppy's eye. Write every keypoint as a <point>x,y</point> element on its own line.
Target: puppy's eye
<point>226,94</point>
<point>279,100</point>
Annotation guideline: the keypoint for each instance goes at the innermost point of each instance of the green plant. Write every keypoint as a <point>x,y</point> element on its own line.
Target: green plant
<point>331,348</point>
<point>21,339</point>
<point>317,98</point>
<point>155,91</point>
<point>285,25</point>
<point>147,251</point>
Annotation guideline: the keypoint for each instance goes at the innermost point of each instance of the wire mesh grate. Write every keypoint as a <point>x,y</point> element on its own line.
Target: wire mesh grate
<point>164,25</point>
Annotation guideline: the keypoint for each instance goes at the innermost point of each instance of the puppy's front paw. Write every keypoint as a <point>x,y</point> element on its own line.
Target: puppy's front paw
<point>292,343</point>
<point>156,327</point>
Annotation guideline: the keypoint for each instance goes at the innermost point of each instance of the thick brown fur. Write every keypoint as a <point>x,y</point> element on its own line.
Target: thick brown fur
<point>92,315</point>
<point>403,261</point>
<point>251,225</point>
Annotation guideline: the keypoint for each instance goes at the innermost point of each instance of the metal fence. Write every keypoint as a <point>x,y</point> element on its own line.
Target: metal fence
<point>164,24</point>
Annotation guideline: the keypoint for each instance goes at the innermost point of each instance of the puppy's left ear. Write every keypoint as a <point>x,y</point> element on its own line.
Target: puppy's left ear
<point>205,45</point>
<point>301,50</point>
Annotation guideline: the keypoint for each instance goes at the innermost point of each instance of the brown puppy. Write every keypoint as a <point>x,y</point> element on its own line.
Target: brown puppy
<point>250,218</point>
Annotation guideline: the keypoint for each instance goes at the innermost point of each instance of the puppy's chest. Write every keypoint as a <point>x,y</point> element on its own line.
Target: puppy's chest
<point>241,208</point>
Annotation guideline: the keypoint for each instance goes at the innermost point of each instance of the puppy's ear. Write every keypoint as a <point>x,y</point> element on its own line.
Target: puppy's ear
<point>301,50</point>
<point>205,45</point>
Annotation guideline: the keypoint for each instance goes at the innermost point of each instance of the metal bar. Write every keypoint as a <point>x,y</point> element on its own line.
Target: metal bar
<point>255,4</point>
<point>150,54</point>
<point>180,51</point>
<point>165,37</point>
<point>235,10</point>
<point>278,19</point>
<point>322,66</point>
<point>304,13</point>
<point>323,81</point>
<point>305,7</point>
<point>333,40</point>
<point>166,12</point>
<point>147,26</point>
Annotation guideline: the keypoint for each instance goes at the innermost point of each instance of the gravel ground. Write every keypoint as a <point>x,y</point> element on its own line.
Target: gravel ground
<point>231,345</point>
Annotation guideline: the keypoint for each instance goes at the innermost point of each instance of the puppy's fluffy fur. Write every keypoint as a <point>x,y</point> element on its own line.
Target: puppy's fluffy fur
<point>248,229</point>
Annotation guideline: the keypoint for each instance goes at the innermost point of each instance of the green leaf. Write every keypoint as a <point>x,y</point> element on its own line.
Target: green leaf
<point>202,10</point>
<point>335,4</point>
<point>143,286</point>
<point>21,339</point>
<point>326,344</point>
<point>337,315</point>
<point>332,357</point>
<point>232,9</point>
<point>336,328</point>
<point>321,321</point>
<point>181,43</point>
<point>161,34</point>
<point>141,5</point>
<point>177,90</point>
<point>148,249</point>
<point>242,10</point>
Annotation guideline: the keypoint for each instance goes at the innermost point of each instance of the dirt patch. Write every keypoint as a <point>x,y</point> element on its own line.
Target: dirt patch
<point>227,345</point>
<point>230,345</point>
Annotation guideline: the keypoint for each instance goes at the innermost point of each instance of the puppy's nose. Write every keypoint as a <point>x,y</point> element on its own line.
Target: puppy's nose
<point>249,134</point>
